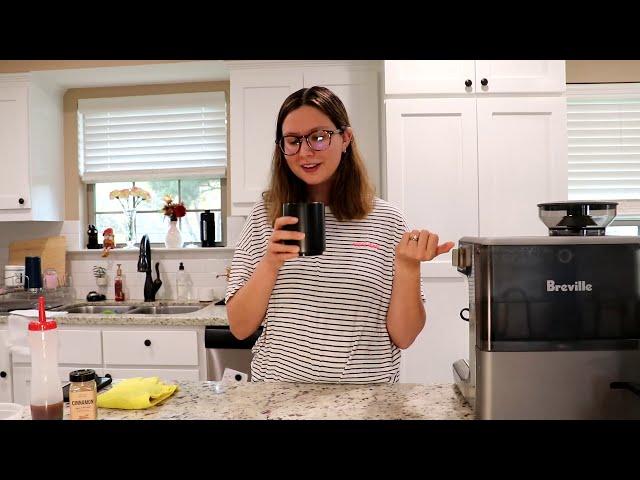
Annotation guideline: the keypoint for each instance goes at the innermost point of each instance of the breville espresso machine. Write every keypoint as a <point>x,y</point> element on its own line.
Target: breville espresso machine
<point>554,322</point>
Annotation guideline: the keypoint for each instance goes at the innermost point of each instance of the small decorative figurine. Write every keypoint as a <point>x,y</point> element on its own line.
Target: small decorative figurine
<point>108,242</point>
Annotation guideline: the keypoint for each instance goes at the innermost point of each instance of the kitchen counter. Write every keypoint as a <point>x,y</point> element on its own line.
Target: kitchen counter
<point>301,401</point>
<point>210,315</point>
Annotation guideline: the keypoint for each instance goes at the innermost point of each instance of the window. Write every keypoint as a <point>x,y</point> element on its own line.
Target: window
<point>197,195</point>
<point>603,122</point>
<point>166,144</point>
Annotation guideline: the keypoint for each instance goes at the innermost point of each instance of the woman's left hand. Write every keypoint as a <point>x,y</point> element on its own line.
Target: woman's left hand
<point>420,246</point>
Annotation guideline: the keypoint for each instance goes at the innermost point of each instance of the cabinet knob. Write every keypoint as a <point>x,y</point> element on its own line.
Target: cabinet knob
<point>21,201</point>
<point>147,342</point>
<point>3,374</point>
<point>468,83</point>
<point>484,82</point>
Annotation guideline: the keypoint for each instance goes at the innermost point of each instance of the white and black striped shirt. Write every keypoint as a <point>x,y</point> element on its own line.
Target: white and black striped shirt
<point>326,318</point>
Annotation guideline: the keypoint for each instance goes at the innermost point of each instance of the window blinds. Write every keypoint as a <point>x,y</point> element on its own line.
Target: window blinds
<point>603,123</point>
<point>152,137</point>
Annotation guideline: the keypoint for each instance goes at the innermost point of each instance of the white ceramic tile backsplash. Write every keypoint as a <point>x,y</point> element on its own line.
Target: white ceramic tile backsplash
<point>201,270</point>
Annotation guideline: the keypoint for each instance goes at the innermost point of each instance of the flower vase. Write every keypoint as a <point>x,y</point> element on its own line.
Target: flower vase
<point>174,237</point>
<point>130,227</point>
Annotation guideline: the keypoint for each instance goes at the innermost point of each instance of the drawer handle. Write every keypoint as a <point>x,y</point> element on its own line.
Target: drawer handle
<point>147,342</point>
<point>484,82</point>
<point>3,374</point>
<point>468,83</point>
<point>21,201</point>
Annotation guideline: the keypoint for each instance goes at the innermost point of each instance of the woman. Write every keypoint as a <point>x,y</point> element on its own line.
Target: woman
<point>342,316</point>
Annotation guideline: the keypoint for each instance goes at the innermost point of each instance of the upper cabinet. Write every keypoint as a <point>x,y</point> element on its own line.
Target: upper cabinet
<point>257,92</point>
<point>462,77</point>
<point>31,155</point>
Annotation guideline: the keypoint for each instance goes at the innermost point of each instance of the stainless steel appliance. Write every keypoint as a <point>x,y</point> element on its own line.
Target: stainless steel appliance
<point>554,322</point>
<point>226,351</point>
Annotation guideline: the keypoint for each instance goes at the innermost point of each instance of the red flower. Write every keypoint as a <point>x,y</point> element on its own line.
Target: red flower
<point>179,210</point>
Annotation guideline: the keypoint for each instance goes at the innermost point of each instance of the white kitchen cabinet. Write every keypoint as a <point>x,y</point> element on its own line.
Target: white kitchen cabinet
<point>32,180</point>
<point>468,77</point>
<point>472,163</point>
<point>432,175</point>
<point>6,377</point>
<point>257,92</point>
<point>171,353</point>
<point>522,158</point>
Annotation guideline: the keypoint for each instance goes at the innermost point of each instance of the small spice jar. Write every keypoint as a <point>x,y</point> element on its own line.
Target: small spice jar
<point>83,395</point>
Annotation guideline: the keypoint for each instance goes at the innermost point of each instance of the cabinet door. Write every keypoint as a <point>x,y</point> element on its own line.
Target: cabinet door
<point>521,76</point>
<point>256,97</point>
<point>358,90</point>
<point>432,169</point>
<point>522,161</point>
<point>14,148</point>
<point>445,337</point>
<point>428,76</point>
<point>5,368</point>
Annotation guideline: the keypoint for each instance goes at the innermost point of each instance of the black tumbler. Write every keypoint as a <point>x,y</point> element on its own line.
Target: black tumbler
<point>33,273</point>
<point>207,228</point>
<point>311,223</point>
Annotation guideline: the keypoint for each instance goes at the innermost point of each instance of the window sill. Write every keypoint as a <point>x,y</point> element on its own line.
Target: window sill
<point>136,250</point>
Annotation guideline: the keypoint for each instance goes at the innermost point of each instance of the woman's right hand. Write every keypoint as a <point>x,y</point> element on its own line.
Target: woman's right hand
<point>278,252</point>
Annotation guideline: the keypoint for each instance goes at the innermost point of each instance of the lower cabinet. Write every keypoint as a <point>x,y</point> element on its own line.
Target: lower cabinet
<point>171,353</point>
<point>6,376</point>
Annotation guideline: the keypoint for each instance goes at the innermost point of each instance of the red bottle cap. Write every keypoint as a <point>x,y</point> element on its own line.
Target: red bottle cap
<point>42,323</point>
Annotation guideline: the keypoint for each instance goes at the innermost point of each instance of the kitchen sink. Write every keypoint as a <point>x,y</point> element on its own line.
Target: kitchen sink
<point>104,309</point>
<point>164,309</point>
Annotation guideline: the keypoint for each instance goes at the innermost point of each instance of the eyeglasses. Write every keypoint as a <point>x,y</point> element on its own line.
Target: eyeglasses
<point>319,140</point>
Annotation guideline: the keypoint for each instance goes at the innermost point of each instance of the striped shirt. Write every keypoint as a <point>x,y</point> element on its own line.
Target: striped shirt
<point>326,318</point>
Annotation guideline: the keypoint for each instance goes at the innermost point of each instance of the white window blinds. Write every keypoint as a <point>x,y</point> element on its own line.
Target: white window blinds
<point>152,137</point>
<point>604,144</point>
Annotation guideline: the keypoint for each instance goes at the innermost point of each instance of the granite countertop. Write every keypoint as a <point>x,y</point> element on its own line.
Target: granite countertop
<point>301,401</point>
<point>209,315</point>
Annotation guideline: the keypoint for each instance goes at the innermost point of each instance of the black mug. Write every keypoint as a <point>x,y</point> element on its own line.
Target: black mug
<point>311,223</point>
<point>33,273</point>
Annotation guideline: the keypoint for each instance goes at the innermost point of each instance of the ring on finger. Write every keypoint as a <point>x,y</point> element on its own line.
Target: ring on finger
<point>414,237</point>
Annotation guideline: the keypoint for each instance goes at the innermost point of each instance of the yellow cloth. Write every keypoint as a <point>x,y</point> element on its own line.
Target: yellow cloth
<point>136,393</point>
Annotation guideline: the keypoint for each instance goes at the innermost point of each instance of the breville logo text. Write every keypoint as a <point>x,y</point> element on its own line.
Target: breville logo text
<point>579,286</point>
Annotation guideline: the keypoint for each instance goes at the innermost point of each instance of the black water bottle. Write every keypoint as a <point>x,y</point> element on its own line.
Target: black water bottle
<point>207,228</point>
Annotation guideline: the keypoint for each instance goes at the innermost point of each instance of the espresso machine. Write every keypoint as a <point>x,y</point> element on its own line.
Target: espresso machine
<point>554,321</point>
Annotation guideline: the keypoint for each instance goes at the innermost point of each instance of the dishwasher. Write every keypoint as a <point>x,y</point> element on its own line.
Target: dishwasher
<point>224,351</point>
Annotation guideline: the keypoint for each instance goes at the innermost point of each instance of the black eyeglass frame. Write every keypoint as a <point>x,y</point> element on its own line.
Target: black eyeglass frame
<point>306,137</point>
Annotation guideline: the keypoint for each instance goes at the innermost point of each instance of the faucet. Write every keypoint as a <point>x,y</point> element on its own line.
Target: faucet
<point>151,286</point>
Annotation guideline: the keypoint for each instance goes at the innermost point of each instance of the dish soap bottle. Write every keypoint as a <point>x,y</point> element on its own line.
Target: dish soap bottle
<point>46,389</point>
<point>118,285</point>
<point>182,284</point>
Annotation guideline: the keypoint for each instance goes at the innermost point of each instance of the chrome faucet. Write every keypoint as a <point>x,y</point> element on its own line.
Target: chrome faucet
<point>151,286</point>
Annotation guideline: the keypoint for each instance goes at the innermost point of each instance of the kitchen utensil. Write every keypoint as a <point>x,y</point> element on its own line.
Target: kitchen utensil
<point>51,250</point>
<point>94,296</point>
<point>311,223</point>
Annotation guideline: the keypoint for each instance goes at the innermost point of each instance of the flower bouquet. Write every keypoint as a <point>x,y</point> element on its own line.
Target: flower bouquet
<point>173,211</point>
<point>130,199</point>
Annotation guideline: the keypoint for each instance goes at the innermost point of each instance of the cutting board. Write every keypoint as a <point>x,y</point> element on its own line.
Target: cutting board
<point>51,250</point>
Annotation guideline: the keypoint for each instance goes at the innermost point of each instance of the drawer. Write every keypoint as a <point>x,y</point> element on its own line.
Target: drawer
<point>164,374</point>
<point>75,347</point>
<point>80,347</point>
<point>135,347</point>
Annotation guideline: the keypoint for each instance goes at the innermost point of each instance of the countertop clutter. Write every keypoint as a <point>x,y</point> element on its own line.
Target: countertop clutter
<point>299,401</point>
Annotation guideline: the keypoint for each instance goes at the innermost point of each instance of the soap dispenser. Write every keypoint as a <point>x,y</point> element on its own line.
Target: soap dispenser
<point>182,283</point>
<point>119,290</point>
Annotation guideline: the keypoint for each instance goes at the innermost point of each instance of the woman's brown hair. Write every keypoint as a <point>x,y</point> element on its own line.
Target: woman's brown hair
<point>351,196</point>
